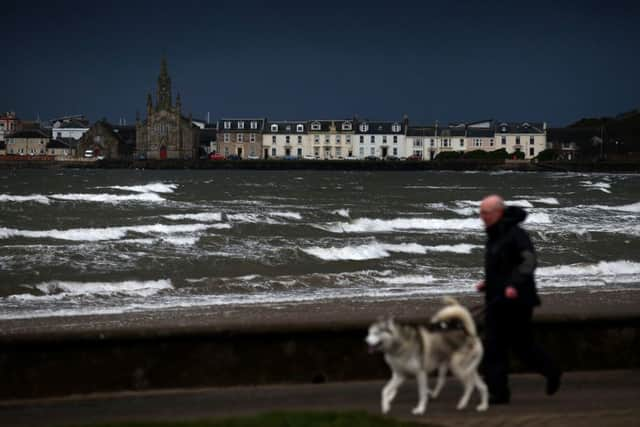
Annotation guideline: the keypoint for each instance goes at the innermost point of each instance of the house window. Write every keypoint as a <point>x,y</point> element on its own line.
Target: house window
<point>531,140</point>
<point>361,151</point>
<point>373,151</point>
<point>288,128</point>
<point>240,139</point>
<point>384,139</point>
<point>252,137</point>
<point>445,143</point>
<point>517,140</point>
<point>417,143</point>
<point>315,126</point>
<point>395,151</point>
<point>531,151</point>
<point>299,152</point>
<point>395,139</point>
<point>504,140</point>
<point>346,126</point>
<point>364,127</point>
<point>316,152</point>
<point>348,138</point>
<point>240,125</point>
<point>396,127</point>
<point>361,139</point>
<point>478,142</point>
<point>226,151</point>
<point>373,139</point>
<point>491,142</point>
<point>316,138</point>
<point>461,142</point>
<point>327,139</point>
<point>226,137</point>
<point>299,128</point>
<point>338,151</point>
<point>274,128</point>
<point>253,125</point>
<point>273,151</point>
<point>287,139</point>
<point>227,125</point>
<point>273,139</point>
<point>337,139</point>
<point>299,139</point>
<point>59,134</point>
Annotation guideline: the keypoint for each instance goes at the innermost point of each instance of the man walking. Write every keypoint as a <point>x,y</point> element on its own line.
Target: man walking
<point>510,296</point>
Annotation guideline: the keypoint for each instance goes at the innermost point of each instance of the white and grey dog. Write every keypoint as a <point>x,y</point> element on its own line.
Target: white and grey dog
<point>450,342</point>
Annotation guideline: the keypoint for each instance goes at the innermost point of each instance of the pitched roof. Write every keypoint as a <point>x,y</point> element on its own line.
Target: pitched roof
<point>234,125</point>
<point>29,133</point>
<point>57,143</point>
<point>376,127</point>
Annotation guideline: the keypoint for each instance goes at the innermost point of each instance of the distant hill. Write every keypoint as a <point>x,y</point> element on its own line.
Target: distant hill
<point>624,128</point>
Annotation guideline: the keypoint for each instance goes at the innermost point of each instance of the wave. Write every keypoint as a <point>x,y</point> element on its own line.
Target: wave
<point>409,279</point>
<point>108,233</point>
<point>290,215</point>
<point>602,186</point>
<point>341,212</point>
<point>519,203</point>
<point>382,250</point>
<point>109,198</point>
<point>63,289</point>
<point>251,218</point>
<point>156,187</point>
<point>547,201</point>
<point>204,216</point>
<point>602,269</point>
<point>633,207</point>
<point>38,198</point>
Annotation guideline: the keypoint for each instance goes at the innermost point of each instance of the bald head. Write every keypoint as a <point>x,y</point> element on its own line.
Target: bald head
<point>491,209</point>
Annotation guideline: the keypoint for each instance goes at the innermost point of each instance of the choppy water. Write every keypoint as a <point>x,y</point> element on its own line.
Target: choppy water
<point>112,241</point>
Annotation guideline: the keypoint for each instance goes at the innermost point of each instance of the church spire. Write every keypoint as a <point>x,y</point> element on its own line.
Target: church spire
<point>164,87</point>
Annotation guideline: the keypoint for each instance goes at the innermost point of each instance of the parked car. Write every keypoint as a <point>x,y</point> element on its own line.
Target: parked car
<point>234,157</point>
<point>88,154</point>
<point>309,157</point>
<point>391,158</point>
<point>351,158</point>
<point>216,156</point>
<point>414,157</point>
<point>290,158</point>
<point>371,158</point>
<point>253,157</point>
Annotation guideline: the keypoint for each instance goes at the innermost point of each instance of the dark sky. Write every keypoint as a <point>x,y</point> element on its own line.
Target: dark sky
<point>446,61</point>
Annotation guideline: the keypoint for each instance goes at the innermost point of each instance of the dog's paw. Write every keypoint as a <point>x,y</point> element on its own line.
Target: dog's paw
<point>461,406</point>
<point>385,408</point>
<point>482,407</point>
<point>434,394</point>
<point>418,410</point>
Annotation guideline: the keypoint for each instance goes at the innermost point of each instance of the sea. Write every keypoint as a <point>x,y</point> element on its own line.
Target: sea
<point>92,242</point>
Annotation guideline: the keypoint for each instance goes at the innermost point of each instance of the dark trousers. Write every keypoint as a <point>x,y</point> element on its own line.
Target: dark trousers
<point>508,326</point>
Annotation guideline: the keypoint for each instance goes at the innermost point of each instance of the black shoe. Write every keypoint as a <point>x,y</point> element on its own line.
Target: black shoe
<point>553,383</point>
<point>499,399</point>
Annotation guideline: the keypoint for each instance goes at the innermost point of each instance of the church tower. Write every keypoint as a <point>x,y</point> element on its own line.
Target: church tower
<point>164,88</point>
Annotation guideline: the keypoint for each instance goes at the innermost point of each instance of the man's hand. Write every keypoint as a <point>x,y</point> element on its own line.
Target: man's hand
<point>510,292</point>
<point>481,286</point>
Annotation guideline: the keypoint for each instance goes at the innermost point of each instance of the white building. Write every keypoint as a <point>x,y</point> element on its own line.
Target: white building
<point>286,139</point>
<point>332,139</point>
<point>529,138</point>
<point>381,139</point>
<point>69,128</point>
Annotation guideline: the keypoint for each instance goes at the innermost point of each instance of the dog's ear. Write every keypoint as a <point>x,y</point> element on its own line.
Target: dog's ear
<point>391,324</point>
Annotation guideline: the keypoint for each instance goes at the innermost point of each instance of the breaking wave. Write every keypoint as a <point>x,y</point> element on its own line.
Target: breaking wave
<point>109,198</point>
<point>38,198</point>
<point>62,289</point>
<point>633,207</point>
<point>601,269</point>
<point>290,215</point>
<point>409,279</point>
<point>602,186</point>
<point>204,216</point>
<point>382,250</point>
<point>156,187</point>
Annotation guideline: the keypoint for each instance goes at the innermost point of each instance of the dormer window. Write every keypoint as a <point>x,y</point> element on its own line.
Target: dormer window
<point>315,126</point>
<point>346,126</point>
<point>525,124</point>
<point>288,128</point>
<point>396,127</point>
<point>274,128</point>
<point>503,129</point>
<point>299,127</point>
<point>364,127</point>
<point>227,125</point>
<point>254,125</point>
<point>240,125</point>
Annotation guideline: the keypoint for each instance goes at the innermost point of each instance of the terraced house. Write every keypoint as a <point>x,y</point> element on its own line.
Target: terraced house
<point>286,139</point>
<point>382,139</point>
<point>240,137</point>
<point>332,139</point>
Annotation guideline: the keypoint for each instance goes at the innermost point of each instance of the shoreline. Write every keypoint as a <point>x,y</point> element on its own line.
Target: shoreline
<point>335,315</point>
<point>335,165</point>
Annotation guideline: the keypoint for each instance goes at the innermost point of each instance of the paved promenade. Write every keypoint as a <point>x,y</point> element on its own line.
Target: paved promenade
<point>606,398</point>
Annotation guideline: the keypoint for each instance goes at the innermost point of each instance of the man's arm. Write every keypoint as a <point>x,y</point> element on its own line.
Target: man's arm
<point>528,261</point>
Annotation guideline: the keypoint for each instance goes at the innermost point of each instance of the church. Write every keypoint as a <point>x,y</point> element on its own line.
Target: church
<point>165,134</point>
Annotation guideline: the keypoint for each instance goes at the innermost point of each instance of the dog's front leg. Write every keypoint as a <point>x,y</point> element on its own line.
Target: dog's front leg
<point>389,391</point>
<point>423,393</point>
<point>442,376</point>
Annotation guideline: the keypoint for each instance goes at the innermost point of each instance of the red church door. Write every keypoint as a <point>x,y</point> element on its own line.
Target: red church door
<point>163,152</point>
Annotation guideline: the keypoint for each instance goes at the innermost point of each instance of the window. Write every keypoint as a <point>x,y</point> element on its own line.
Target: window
<point>361,139</point>
<point>361,151</point>
<point>227,125</point>
<point>316,152</point>
<point>274,128</point>
<point>531,151</point>
<point>517,140</point>
<point>491,142</point>
<point>253,125</point>
<point>432,142</point>
<point>348,138</point>
<point>288,128</point>
<point>531,140</point>
<point>226,137</point>
<point>478,142</point>
<point>315,126</point>
<point>338,151</point>
<point>287,139</point>
<point>273,139</point>
<point>240,125</point>
<point>395,139</point>
<point>395,151</point>
<point>417,143</point>
<point>364,127</point>
<point>337,139</point>
<point>59,134</point>
<point>373,139</point>
<point>273,151</point>
<point>373,151</point>
<point>316,138</point>
<point>446,142</point>
<point>299,128</point>
<point>299,152</point>
<point>240,137</point>
<point>346,126</point>
<point>461,142</point>
<point>384,139</point>
<point>226,151</point>
<point>327,139</point>
<point>299,139</point>
<point>252,137</point>
<point>503,140</point>
<point>396,127</point>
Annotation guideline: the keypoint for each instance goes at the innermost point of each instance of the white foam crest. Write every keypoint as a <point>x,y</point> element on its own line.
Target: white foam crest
<point>38,198</point>
<point>63,289</point>
<point>108,233</point>
<point>633,207</point>
<point>409,279</point>
<point>372,225</point>
<point>181,240</point>
<point>290,215</point>
<point>203,216</point>
<point>341,212</point>
<point>602,186</point>
<point>602,268</point>
<point>108,198</point>
<point>460,248</point>
<point>547,201</point>
<point>156,187</point>
<point>251,218</point>
<point>519,203</point>
<point>382,250</point>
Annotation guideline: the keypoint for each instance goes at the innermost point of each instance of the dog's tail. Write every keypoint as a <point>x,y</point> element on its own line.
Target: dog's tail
<point>455,311</point>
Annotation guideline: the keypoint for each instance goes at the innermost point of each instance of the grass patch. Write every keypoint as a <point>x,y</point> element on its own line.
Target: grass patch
<point>280,419</point>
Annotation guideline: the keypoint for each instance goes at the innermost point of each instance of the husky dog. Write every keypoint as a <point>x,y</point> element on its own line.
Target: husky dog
<point>449,342</point>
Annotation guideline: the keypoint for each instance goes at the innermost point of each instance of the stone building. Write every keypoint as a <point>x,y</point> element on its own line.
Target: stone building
<point>27,142</point>
<point>105,141</point>
<point>165,133</point>
<point>240,137</point>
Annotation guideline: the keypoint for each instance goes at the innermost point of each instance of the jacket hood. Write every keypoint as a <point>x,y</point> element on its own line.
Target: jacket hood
<point>513,215</point>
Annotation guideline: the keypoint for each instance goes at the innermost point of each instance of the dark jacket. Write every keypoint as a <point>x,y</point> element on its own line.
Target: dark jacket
<point>510,260</point>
